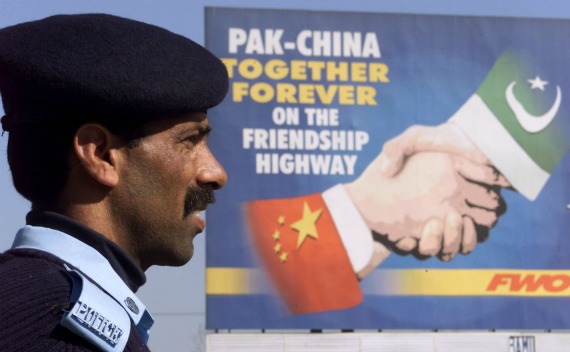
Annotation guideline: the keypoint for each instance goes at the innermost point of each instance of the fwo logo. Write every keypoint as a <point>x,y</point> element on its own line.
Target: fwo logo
<point>521,344</point>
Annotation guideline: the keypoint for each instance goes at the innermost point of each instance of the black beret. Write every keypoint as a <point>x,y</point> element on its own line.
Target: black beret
<point>82,66</point>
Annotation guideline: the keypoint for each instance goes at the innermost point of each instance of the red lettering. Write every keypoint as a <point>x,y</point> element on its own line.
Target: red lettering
<point>499,280</point>
<point>530,282</point>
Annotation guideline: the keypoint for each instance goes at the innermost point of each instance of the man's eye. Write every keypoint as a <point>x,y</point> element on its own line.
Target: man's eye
<point>191,139</point>
<point>194,139</point>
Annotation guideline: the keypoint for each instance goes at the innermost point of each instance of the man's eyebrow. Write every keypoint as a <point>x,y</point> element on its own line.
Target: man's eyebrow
<point>205,130</point>
<point>201,129</point>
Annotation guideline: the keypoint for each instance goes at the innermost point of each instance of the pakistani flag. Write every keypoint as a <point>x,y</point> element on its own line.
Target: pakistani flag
<point>516,119</point>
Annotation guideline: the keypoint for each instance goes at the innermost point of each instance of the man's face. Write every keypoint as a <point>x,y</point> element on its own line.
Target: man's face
<point>168,180</point>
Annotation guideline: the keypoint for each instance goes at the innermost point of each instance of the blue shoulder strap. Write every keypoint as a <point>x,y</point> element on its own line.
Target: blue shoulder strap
<point>92,264</point>
<point>95,316</point>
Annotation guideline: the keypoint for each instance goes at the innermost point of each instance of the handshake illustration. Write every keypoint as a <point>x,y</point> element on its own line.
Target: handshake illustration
<point>430,192</point>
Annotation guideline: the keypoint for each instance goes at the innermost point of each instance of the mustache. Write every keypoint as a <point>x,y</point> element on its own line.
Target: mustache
<point>197,198</point>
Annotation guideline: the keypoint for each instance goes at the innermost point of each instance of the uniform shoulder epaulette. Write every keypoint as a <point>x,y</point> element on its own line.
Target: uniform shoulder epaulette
<point>96,316</point>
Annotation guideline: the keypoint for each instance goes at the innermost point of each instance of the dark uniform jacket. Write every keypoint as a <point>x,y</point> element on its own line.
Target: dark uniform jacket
<point>35,291</point>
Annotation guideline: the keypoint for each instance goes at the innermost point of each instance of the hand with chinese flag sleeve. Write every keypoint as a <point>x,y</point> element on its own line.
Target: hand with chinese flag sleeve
<point>316,247</point>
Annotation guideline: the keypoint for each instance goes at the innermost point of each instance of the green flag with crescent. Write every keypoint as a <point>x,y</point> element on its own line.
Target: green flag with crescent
<point>514,118</point>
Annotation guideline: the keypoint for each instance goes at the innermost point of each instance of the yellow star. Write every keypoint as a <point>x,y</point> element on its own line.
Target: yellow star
<point>281,220</point>
<point>276,235</point>
<point>277,248</point>
<point>283,257</point>
<point>306,226</point>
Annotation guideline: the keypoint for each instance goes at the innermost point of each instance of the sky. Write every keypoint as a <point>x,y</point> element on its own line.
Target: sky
<point>176,295</point>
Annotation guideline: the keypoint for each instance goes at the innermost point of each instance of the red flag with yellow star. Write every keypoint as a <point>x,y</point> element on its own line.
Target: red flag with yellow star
<point>303,253</point>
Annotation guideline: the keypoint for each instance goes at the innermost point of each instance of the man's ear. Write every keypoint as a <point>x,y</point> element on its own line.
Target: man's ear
<point>96,148</point>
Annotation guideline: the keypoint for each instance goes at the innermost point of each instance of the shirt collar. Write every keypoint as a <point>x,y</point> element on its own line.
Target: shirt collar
<point>123,265</point>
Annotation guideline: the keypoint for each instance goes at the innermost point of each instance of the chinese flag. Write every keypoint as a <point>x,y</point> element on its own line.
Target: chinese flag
<point>302,251</point>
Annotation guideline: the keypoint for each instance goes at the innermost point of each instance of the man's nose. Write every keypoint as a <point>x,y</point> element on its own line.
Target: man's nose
<point>211,172</point>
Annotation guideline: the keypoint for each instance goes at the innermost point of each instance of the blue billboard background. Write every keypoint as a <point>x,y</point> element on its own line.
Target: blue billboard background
<point>435,64</point>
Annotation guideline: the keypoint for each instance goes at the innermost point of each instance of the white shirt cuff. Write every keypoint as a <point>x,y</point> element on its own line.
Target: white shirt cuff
<point>355,234</point>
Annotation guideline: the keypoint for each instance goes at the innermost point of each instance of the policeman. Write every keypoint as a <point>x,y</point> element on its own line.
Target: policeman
<point>106,123</point>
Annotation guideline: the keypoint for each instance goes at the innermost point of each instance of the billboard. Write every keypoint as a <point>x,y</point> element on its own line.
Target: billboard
<point>389,171</point>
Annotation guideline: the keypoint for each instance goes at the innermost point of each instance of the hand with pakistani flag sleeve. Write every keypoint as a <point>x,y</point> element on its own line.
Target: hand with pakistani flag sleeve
<point>517,119</point>
<point>515,124</point>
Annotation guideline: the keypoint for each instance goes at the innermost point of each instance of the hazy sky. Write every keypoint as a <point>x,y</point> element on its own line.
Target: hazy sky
<point>176,296</point>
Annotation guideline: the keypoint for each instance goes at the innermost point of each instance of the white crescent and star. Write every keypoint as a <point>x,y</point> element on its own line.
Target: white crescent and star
<point>529,122</point>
